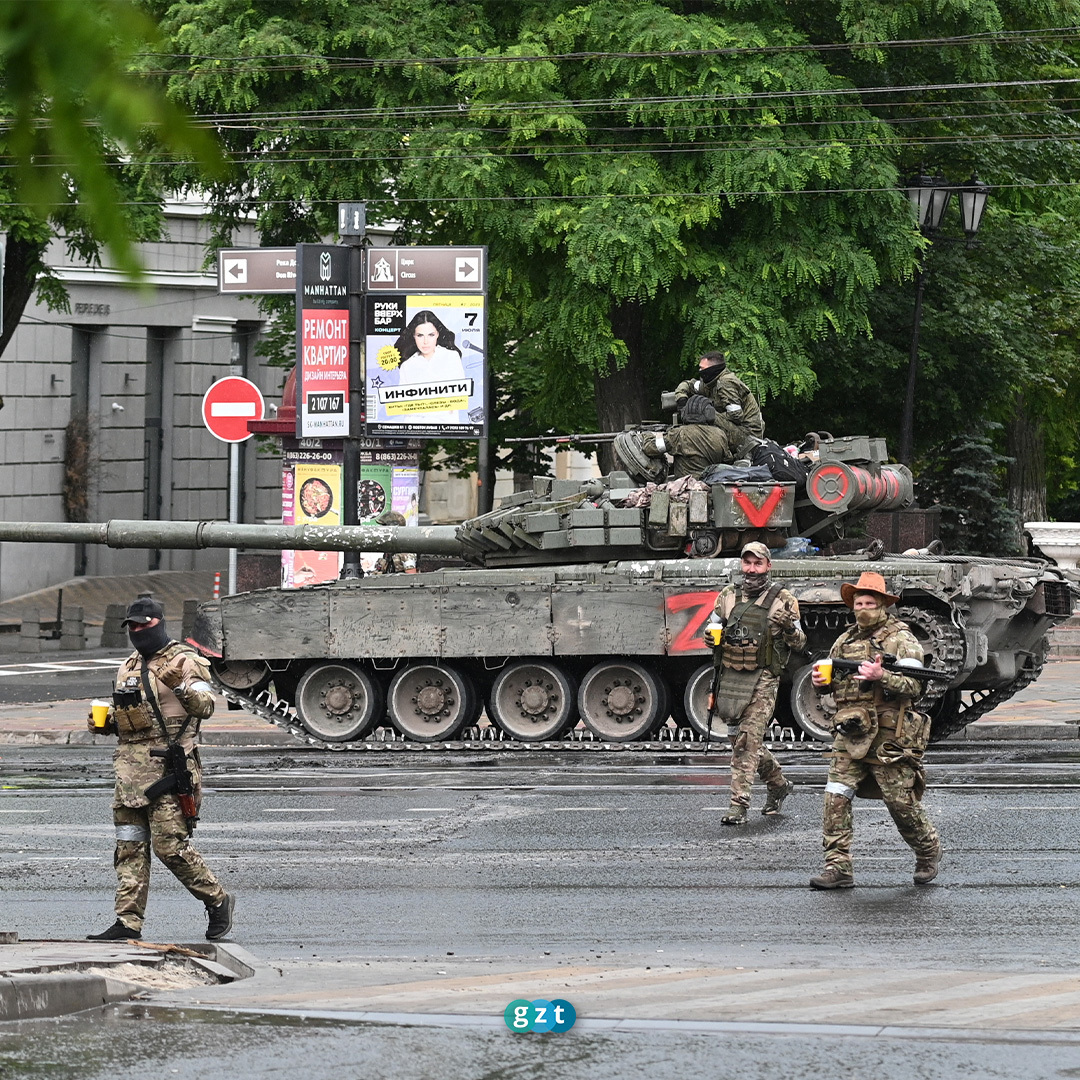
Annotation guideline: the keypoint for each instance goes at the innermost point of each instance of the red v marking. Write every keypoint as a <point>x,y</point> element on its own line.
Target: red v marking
<point>759,516</point>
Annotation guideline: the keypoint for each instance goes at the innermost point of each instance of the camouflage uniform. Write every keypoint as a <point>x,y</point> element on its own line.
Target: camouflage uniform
<point>397,563</point>
<point>693,446</point>
<point>890,766</point>
<point>756,669</point>
<point>728,389</point>
<point>179,678</point>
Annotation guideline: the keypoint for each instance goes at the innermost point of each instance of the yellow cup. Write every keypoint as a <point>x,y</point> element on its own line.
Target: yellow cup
<point>100,712</point>
<point>824,670</point>
<point>716,634</point>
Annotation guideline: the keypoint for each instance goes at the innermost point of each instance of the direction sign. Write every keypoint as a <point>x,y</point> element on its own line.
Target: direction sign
<point>426,269</point>
<point>228,406</point>
<point>257,270</point>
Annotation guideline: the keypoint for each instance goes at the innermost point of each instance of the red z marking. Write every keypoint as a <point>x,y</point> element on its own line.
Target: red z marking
<point>689,637</point>
<point>758,516</point>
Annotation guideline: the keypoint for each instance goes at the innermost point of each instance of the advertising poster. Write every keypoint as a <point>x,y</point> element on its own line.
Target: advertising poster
<point>387,485</point>
<point>322,341</point>
<point>311,495</point>
<point>405,482</point>
<point>374,495</point>
<point>425,365</point>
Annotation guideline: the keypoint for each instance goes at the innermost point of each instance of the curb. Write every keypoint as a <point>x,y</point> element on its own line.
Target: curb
<point>39,995</point>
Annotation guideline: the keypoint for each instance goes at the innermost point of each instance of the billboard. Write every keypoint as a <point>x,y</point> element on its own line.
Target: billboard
<point>425,370</point>
<point>322,341</point>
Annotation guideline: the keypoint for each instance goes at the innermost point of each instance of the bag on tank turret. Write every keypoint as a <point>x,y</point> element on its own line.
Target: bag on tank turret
<point>781,465</point>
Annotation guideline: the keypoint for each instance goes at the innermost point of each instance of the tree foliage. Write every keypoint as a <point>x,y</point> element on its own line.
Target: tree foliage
<point>658,177</point>
<point>78,125</point>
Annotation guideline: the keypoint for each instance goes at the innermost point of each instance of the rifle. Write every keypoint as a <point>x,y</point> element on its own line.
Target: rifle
<point>894,664</point>
<point>591,436</point>
<point>714,696</point>
<point>177,778</point>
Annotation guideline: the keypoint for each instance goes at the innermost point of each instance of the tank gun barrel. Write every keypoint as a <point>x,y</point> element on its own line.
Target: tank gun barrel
<point>422,540</point>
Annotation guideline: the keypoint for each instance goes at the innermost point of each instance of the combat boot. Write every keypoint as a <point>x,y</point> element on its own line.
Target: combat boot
<point>926,869</point>
<point>117,932</point>
<point>736,815</point>
<point>220,918</point>
<point>832,878</point>
<point>776,799</point>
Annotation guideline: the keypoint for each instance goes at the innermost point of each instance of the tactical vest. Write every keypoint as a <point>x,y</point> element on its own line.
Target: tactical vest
<point>851,691</point>
<point>748,642</point>
<point>135,722</point>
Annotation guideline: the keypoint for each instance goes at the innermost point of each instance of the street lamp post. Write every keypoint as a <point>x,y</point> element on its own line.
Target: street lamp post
<point>930,197</point>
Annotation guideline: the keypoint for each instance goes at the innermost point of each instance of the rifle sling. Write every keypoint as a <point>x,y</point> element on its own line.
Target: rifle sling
<point>148,691</point>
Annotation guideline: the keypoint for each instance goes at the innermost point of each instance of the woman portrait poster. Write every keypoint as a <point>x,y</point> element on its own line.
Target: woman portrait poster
<point>427,355</point>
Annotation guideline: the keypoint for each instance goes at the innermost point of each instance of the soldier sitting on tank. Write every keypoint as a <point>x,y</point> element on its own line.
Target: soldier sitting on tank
<point>694,444</point>
<point>398,562</point>
<point>738,414</point>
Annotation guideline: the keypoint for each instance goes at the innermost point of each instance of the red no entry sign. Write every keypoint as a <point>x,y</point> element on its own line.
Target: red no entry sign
<point>228,406</point>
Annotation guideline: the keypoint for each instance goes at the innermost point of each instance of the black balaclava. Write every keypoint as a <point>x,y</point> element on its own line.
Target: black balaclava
<point>149,641</point>
<point>710,374</point>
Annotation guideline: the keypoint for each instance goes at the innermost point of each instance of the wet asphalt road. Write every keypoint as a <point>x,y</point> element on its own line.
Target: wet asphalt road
<point>563,857</point>
<point>595,854</point>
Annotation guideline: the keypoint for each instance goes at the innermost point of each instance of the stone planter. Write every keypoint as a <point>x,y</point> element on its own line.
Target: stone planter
<point>1060,540</point>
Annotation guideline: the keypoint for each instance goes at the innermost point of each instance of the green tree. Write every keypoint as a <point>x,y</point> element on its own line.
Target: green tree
<point>655,177</point>
<point>637,209</point>
<point>77,122</point>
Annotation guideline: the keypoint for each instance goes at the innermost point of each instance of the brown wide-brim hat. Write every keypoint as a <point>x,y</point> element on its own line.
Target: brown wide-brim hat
<point>868,582</point>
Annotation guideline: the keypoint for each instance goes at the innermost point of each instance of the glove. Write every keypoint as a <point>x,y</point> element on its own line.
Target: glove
<point>172,676</point>
<point>783,620</point>
<point>697,409</point>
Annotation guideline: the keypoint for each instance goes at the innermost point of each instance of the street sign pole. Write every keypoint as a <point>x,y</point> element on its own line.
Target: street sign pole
<point>234,507</point>
<point>227,406</point>
<point>353,215</point>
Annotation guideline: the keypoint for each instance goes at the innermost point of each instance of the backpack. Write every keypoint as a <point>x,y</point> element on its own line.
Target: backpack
<point>781,465</point>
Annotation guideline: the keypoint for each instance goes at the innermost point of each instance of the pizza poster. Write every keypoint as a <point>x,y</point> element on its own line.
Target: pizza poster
<point>425,365</point>
<point>311,495</point>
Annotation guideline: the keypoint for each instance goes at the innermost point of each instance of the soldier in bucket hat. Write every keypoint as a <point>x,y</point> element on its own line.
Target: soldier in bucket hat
<point>760,622</point>
<point>880,737</point>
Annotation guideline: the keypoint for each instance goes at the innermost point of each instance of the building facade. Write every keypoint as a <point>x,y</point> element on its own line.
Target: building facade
<point>102,409</point>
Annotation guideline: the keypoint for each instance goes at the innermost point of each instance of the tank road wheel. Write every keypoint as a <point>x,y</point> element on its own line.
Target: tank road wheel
<point>430,702</point>
<point>808,706</point>
<point>696,702</point>
<point>534,701</point>
<point>338,701</point>
<point>622,701</point>
<point>244,676</point>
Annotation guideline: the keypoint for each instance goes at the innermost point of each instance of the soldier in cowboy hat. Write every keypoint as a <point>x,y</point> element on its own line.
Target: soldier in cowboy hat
<point>880,737</point>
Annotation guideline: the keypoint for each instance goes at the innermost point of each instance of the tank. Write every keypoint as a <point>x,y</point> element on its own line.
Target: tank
<point>575,611</point>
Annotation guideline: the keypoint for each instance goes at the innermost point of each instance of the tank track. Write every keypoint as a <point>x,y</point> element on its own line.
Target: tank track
<point>949,721</point>
<point>946,643</point>
<point>282,715</point>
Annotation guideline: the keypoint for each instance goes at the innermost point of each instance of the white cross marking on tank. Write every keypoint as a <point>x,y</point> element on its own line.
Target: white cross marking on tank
<point>581,624</point>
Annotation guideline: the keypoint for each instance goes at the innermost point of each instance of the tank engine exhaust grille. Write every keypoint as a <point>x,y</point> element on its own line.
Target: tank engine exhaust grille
<point>1058,598</point>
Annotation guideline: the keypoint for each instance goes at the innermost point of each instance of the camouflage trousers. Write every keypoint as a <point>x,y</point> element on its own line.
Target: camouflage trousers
<point>748,754</point>
<point>897,783</point>
<point>162,825</point>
